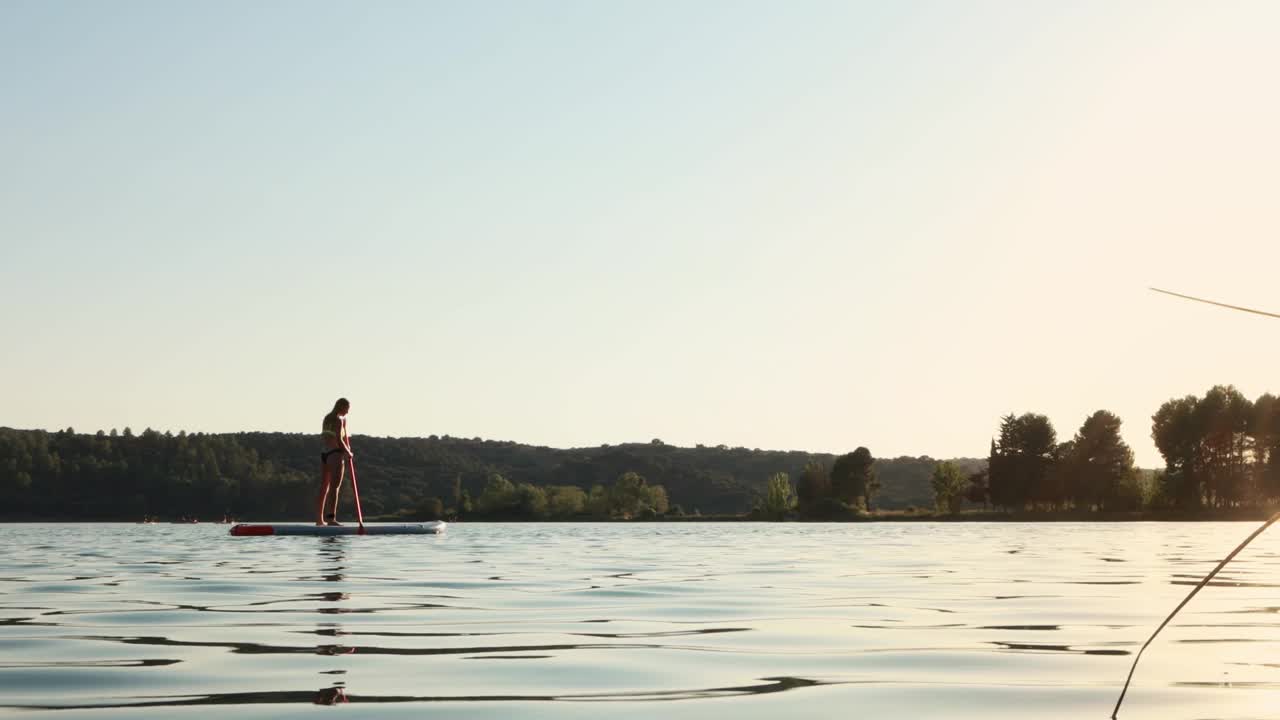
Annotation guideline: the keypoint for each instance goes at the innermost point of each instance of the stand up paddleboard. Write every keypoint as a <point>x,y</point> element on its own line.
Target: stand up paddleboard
<point>428,528</point>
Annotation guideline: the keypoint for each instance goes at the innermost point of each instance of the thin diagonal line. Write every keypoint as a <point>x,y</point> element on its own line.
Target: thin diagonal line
<point>1211,302</point>
<point>1186,600</point>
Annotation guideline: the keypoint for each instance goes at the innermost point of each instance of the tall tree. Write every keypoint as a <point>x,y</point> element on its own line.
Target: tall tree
<point>814,486</point>
<point>1227,421</point>
<point>1265,433</point>
<point>948,483</point>
<point>978,491</point>
<point>1058,489</point>
<point>1173,428</point>
<point>628,494</point>
<point>499,496</point>
<point>779,498</point>
<point>1100,461</point>
<point>1037,443</point>
<point>999,471</point>
<point>656,501</point>
<point>1020,461</point>
<point>852,476</point>
<point>565,500</point>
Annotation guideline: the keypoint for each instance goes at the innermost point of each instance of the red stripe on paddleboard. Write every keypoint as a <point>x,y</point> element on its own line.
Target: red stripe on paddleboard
<point>244,530</point>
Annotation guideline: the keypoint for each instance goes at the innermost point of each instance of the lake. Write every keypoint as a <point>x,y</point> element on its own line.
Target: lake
<point>683,620</point>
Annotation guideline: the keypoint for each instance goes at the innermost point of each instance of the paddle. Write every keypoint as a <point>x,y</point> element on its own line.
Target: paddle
<point>355,490</point>
<point>355,487</point>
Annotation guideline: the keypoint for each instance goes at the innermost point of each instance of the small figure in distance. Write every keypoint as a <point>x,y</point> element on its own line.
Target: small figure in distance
<point>333,460</point>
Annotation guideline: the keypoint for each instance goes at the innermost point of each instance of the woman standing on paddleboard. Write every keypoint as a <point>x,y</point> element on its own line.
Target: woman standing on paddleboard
<point>333,459</point>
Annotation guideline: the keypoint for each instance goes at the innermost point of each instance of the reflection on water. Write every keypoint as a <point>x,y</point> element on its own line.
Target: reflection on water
<point>798,620</point>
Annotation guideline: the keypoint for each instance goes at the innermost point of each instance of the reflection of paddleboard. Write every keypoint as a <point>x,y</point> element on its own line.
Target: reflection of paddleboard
<point>427,528</point>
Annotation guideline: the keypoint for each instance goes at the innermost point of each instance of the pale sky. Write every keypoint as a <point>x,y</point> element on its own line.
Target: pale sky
<point>784,225</point>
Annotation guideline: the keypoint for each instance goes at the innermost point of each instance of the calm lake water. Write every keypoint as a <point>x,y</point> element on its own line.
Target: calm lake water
<point>711,620</point>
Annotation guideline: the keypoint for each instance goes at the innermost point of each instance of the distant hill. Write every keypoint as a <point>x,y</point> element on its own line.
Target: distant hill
<point>711,480</point>
<point>904,480</point>
<point>67,474</point>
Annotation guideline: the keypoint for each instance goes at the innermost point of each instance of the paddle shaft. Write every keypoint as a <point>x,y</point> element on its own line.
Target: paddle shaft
<point>355,489</point>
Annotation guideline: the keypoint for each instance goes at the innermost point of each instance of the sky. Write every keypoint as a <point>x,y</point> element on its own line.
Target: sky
<point>800,225</point>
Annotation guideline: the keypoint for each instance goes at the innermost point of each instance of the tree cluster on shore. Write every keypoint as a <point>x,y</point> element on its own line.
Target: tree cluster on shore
<point>629,497</point>
<point>841,491</point>
<point>1221,451</point>
<point>120,475</point>
<point>1028,468</point>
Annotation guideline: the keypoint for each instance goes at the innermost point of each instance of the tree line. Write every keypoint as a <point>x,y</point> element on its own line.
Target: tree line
<point>629,497</point>
<point>126,476</point>
<point>1221,450</point>
<point>121,475</point>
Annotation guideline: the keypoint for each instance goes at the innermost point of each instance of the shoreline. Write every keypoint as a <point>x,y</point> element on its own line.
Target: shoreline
<point>889,516</point>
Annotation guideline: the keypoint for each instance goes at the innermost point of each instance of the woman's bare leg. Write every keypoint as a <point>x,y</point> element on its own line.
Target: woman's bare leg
<point>337,487</point>
<point>326,479</point>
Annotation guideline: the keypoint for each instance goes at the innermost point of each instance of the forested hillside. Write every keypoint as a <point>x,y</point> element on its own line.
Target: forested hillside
<point>123,475</point>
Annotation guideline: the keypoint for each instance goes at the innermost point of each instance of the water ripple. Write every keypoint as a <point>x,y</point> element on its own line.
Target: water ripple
<point>948,620</point>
